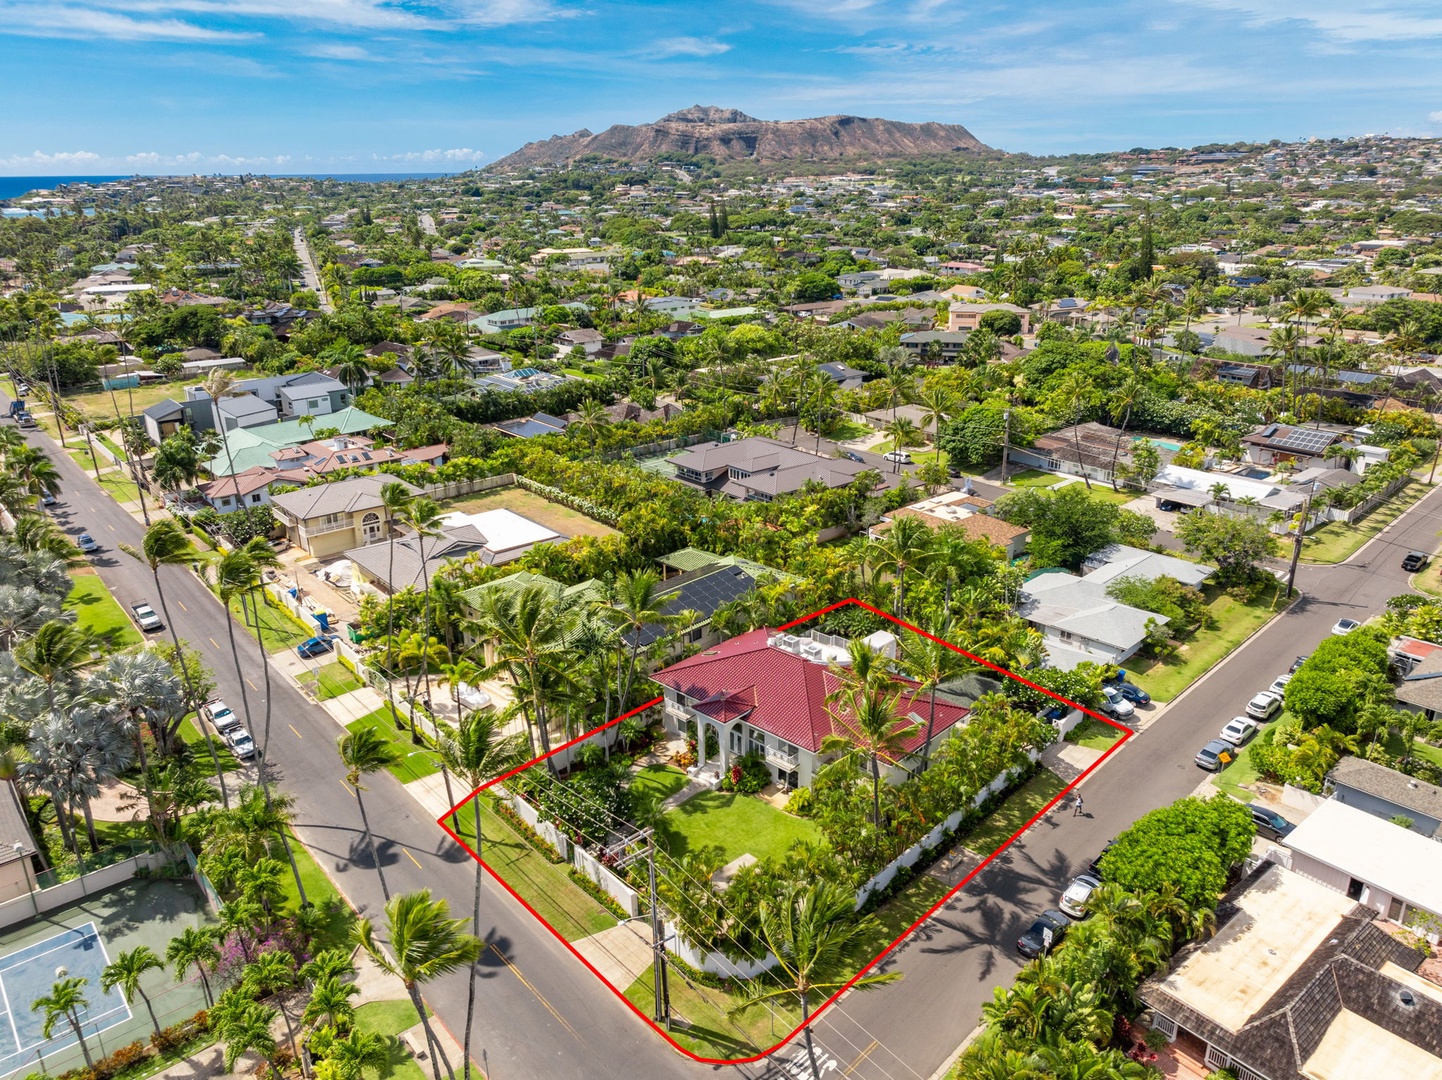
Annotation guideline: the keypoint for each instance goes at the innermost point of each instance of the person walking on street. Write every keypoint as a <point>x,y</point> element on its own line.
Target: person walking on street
<point>1077,807</point>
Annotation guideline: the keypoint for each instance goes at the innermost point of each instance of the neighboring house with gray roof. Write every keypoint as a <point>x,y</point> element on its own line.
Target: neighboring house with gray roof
<point>1080,622</point>
<point>1387,793</point>
<point>328,519</point>
<point>759,469</point>
<point>1119,560</point>
<point>17,849</point>
<point>494,537</point>
<point>1421,688</point>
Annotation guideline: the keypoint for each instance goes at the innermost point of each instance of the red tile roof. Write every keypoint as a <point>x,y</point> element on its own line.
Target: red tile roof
<point>779,692</point>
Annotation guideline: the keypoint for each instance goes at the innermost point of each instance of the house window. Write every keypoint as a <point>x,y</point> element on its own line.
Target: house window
<point>255,498</point>
<point>695,635</point>
<point>312,404</point>
<point>1355,889</point>
<point>1064,635</point>
<point>1394,910</point>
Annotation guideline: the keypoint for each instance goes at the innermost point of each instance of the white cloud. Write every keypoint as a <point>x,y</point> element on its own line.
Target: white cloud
<point>39,159</point>
<point>77,21</point>
<point>462,154</point>
<point>684,46</point>
<point>1343,21</point>
<point>338,52</point>
<point>1435,117</point>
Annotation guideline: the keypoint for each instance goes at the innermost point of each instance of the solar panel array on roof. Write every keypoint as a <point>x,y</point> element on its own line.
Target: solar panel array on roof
<point>1307,441</point>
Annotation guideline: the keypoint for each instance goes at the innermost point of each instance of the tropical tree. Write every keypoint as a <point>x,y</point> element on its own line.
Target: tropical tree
<point>903,432</point>
<point>930,662</point>
<point>423,517</point>
<point>425,944</point>
<point>194,948</point>
<point>811,929</point>
<point>126,970</point>
<point>867,726</point>
<point>66,1001</point>
<point>350,1056</point>
<point>364,752</point>
<point>906,546</point>
<point>529,634</point>
<point>395,499</point>
<point>274,973</point>
<point>634,605</point>
<point>244,1026</point>
<point>330,1001</point>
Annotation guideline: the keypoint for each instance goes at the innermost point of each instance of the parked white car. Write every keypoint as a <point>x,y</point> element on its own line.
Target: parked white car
<point>1239,731</point>
<point>1116,704</point>
<point>1264,706</point>
<point>1074,900</point>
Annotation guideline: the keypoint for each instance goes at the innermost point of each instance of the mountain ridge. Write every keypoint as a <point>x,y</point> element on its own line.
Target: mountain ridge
<point>731,135</point>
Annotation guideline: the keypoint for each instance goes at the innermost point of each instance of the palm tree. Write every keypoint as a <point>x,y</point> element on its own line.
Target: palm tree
<point>930,663</point>
<point>364,752</point>
<point>425,944</point>
<point>936,406</point>
<point>905,546</point>
<point>125,972</point>
<point>395,500</point>
<point>330,1001</point>
<point>423,517</point>
<point>54,653</point>
<point>811,929</point>
<point>235,576</point>
<point>478,753</point>
<point>352,1055</point>
<point>245,1027</point>
<point>635,605</point>
<point>274,973</point>
<point>193,948</point>
<point>591,417</point>
<point>65,1001</point>
<point>1074,397</point>
<point>530,635</point>
<point>1123,399</point>
<point>867,725</point>
<point>903,432</point>
<point>34,469</point>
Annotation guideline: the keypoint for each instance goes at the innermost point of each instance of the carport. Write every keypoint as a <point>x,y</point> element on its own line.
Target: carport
<point>1183,497</point>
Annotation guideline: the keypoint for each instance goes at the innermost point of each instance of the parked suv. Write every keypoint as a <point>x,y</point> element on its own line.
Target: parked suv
<point>1116,703</point>
<point>1264,706</point>
<point>1269,823</point>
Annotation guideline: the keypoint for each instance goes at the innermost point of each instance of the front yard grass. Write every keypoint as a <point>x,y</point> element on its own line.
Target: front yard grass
<point>1094,734</point>
<point>897,914</point>
<point>330,680</point>
<point>99,613</point>
<point>335,933</point>
<point>1337,540</point>
<point>1019,808</point>
<point>1242,771</point>
<point>409,768</point>
<point>1234,623</point>
<point>270,622</point>
<point>657,782</point>
<point>1034,478</point>
<point>545,885</point>
<point>737,824</point>
<point>708,1030</point>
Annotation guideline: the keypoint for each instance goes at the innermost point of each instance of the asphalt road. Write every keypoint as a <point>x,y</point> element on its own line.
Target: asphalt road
<point>542,1015</point>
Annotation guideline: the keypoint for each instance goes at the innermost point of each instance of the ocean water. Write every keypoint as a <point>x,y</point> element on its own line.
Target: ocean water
<point>12,187</point>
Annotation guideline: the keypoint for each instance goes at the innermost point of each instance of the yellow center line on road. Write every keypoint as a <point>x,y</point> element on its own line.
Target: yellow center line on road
<point>252,685</point>
<point>861,1057</point>
<point>349,790</point>
<point>298,735</point>
<point>182,606</point>
<point>110,527</point>
<point>215,643</point>
<point>538,995</point>
<point>412,858</point>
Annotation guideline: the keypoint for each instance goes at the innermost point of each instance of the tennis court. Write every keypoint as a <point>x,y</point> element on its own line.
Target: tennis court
<point>82,939</point>
<point>28,974</point>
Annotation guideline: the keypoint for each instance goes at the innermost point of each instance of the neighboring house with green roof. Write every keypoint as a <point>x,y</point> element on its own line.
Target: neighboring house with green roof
<point>249,447</point>
<point>689,558</point>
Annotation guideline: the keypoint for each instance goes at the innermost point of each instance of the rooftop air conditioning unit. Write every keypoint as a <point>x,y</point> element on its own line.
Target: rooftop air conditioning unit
<point>811,650</point>
<point>789,642</point>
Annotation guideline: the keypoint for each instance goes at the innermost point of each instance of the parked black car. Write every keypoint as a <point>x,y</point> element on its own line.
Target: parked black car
<point>1095,867</point>
<point>1269,823</point>
<point>1414,560</point>
<point>1043,935</point>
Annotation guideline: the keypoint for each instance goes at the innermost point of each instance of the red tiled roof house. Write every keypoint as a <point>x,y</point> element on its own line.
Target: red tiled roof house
<point>765,692</point>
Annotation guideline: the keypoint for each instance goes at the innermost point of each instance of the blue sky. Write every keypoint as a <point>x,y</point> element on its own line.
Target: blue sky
<point>156,86</point>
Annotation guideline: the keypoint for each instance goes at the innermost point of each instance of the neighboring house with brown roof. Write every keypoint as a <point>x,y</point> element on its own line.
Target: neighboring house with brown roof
<point>968,514</point>
<point>1299,983</point>
<point>1082,449</point>
<point>328,519</point>
<point>963,316</point>
<point>760,469</point>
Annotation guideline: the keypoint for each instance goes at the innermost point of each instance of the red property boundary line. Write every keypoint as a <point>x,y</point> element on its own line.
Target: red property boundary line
<point>1126,734</point>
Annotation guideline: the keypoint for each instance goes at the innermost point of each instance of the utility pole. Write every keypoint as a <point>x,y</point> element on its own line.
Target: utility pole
<point>1297,540</point>
<point>658,942</point>
<point>1006,444</point>
<point>1433,471</point>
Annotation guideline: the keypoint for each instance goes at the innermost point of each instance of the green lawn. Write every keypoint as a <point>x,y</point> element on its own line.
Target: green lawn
<point>280,629</point>
<point>386,1017</point>
<point>320,892</point>
<point>1397,746</point>
<point>546,886</point>
<point>1103,492</point>
<point>848,431</point>
<point>736,824</point>
<point>408,768</point>
<point>1428,580</point>
<point>709,1031</point>
<point>1234,623</point>
<point>191,735</point>
<point>330,680</point>
<point>1094,734</point>
<point>1016,811</point>
<point>1033,478</point>
<point>1337,540</point>
<point>898,913</point>
<point>99,612</point>
<point>657,782</point>
<point>1242,771</point>
<point>119,486</point>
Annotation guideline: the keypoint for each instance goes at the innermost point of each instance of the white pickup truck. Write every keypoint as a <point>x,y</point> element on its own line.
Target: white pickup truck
<point>145,617</point>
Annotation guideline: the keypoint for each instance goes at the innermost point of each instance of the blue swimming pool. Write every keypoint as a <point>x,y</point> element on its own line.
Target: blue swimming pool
<point>1164,444</point>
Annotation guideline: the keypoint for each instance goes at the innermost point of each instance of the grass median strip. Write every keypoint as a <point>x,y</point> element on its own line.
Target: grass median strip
<point>1338,540</point>
<point>1232,623</point>
<point>99,613</point>
<point>1019,808</point>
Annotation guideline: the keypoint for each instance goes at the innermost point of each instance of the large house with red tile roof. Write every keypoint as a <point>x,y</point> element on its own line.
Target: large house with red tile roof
<point>765,692</point>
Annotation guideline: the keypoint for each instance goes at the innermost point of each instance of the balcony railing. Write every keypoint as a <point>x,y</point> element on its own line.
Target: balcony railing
<point>782,758</point>
<point>318,530</point>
